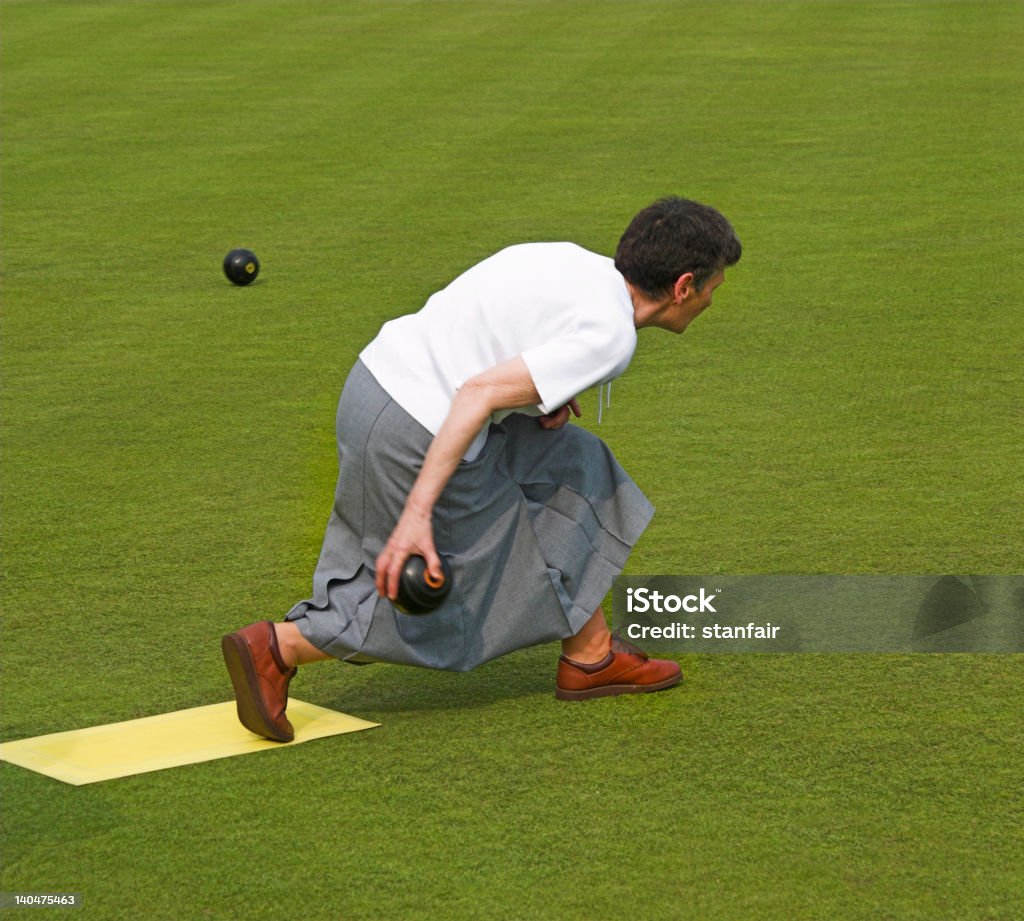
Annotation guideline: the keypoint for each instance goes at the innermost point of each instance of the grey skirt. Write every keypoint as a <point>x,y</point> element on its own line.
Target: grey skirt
<point>535,529</point>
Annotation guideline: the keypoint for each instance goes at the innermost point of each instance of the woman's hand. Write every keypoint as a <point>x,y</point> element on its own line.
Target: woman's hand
<point>559,417</point>
<point>413,534</point>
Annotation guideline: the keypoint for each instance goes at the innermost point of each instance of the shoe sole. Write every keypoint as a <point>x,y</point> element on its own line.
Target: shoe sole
<point>613,690</point>
<point>251,712</point>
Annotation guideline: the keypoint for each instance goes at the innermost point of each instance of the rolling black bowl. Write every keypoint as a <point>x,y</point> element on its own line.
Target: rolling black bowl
<point>417,592</point>
<point>241,266</point>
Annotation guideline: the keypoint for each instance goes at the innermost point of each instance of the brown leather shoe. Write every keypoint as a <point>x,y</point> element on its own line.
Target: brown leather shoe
<point>626,670</point>
<point>261,679</point>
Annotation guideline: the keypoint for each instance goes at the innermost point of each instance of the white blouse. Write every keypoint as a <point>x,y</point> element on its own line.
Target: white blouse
<point>565,310</point>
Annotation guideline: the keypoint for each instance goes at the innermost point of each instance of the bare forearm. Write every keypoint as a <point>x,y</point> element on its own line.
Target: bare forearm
<point>505,386</point>
<point>469,413</point>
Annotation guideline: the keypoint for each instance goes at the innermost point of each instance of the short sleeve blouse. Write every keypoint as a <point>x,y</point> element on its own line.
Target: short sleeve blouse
<point>565,310</point>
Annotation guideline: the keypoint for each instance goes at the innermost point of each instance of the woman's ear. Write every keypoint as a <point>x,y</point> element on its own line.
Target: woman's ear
<point>683,287</point>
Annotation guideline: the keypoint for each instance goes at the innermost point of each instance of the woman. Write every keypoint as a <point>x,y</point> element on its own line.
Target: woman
<point>452,436</point>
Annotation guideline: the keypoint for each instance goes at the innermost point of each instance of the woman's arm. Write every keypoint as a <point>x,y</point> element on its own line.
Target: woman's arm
<point>505,386</point>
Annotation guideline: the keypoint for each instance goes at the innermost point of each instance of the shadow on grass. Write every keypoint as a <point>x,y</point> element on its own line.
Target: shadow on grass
<point>383,688</point>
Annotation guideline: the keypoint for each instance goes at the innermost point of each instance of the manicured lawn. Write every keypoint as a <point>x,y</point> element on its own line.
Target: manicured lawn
<point>853,403</point>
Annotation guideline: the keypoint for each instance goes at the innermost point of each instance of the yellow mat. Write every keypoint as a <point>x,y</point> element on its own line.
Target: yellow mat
<point>169,740</point>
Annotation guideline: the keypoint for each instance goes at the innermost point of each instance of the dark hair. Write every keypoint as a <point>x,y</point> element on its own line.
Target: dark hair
<point>672,237</point>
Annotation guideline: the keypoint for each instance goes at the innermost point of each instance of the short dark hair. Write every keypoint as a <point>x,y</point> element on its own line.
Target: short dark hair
<point>672,237</point>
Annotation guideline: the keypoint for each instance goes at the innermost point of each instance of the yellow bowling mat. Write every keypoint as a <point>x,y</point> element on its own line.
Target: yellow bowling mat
<point>169,740</point>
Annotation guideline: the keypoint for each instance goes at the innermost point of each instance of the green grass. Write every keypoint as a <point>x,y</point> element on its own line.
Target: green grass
<point>852,403</point>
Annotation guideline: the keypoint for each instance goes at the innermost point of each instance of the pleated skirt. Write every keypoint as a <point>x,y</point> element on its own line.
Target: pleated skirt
<point>535,528</point>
